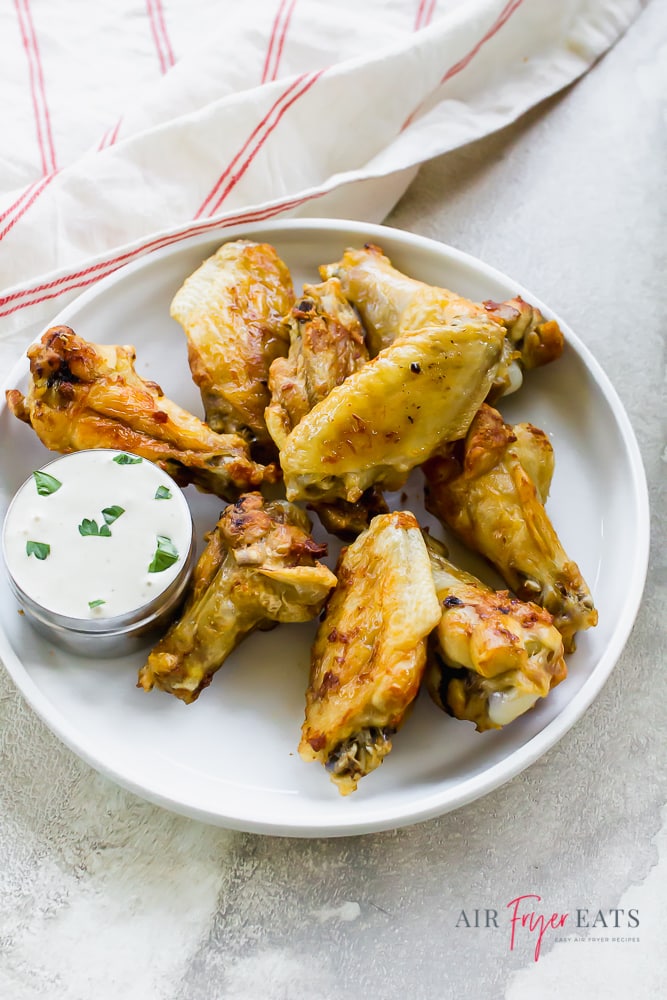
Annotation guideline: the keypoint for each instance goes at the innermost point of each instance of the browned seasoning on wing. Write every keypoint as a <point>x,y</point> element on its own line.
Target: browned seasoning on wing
<point>233,310</point>
<point>260,566</point>
<point>85,395</point>
<point>483,490</point>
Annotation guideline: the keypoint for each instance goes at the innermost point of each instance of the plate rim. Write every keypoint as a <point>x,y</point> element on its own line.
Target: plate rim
<point>437,802</point>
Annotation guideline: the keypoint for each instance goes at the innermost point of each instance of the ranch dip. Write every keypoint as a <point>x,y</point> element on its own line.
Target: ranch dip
<point>97,534</point>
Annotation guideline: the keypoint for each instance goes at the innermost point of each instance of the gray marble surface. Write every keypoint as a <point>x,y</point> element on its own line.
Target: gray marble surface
<point>103,895</point>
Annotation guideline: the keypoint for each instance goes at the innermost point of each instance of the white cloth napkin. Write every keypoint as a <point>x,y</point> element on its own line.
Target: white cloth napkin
<point>131,124</point>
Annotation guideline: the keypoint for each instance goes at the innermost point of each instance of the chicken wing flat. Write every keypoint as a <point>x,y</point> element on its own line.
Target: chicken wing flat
<point>491,656</point>
<point>394,412</point>
<point>259,566</point>
<point>326,346</point>
<point>85,395</point>
<point>484,493</point>
<point>232,310</point>
<point>391,305</point>
<point>370,650</point>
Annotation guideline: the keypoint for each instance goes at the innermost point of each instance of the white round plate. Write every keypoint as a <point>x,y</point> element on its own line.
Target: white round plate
<point>231,758</point>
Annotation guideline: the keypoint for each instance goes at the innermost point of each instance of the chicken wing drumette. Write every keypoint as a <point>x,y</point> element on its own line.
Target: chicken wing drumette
<point>232,310</point>
<point>260,566</point>
<point>85,395</point>
<point>490,490</point>
<point>370,650</point>
<point>326,346</point>
<point>491,656</point>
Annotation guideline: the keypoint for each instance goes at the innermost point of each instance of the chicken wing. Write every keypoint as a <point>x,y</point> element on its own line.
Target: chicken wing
<point>232,310</point>
<point>370,650</point>
<point>85,395</point>
<point>484,493</point>
<point>391,305</point>
<point>260,566</point>
<point>531,342</point>
<point>491,656</point>
<point>326,345</point>
<point>394,412</point>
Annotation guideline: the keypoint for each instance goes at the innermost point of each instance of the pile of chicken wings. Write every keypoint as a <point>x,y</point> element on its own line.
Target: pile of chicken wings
<point>339,394</point>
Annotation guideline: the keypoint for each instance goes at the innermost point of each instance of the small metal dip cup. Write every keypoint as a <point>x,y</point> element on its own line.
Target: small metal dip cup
<point>116,636</point>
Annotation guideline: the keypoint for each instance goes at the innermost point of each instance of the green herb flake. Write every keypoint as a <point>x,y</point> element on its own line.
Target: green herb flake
<point>46,484</point>
<point>88,527</point>
<point>124,459</point>
<point>111,514</point>
<point>105,531</point>
<point>162,493</point>
<point>96,604</point>
<point>165,555</point>
<point>39,550</point>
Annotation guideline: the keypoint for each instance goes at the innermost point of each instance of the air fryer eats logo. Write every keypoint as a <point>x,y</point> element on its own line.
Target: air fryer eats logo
<point>526,921</point>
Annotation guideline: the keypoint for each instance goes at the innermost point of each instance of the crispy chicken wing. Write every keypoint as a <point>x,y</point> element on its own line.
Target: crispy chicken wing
<point>232,310</point>
<point>85,395</point>
<point>531,342</point>
<point>394,412</point>
<point>370,650</point>
<point>260,566</point>
<point>483,491</point>
<point>326,345</point>
<point>491,656</point>
<point>391,304</point>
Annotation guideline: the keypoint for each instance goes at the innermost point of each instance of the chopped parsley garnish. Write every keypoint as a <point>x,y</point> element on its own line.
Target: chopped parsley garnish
<point>124,459</point>
<point>96,604</point>
<point>162,493</point>
<point>90,527</point>
<point>112,514</point>
<point>46,484</point>
<point>39,550</point>
<point>165,555</point>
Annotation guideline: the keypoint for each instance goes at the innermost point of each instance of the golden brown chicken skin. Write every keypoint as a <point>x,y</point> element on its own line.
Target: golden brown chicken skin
<point>326,346</point>
<point>531,341</point>
<point>482,490</point>
<point>394,412</point>
<point>370,650</point>
<point>392,304</point>
<point>232,310</point>
<point>260,566</point>
<point>85,395</point>
<point>491,656</point>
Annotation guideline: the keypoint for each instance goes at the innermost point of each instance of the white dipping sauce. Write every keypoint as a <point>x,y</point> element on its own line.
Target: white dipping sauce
<point>108,540</point>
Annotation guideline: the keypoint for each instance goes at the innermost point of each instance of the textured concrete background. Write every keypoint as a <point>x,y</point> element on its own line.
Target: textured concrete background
<point>103,895</point>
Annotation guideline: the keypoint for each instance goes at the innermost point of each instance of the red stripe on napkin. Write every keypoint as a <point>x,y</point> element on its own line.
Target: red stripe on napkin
<point>258,136</point>
<point>34,191</point>
<point>110,136</point>
<point>501,20</point>
<point>424,14</point>
<point>89,275</point>
<point>159,32</point>
<point>277,40</point>
<point>38,92</point>
<point>504,17</point>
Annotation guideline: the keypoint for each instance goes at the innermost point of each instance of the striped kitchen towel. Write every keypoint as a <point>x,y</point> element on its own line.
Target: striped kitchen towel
<point>131,124</point>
